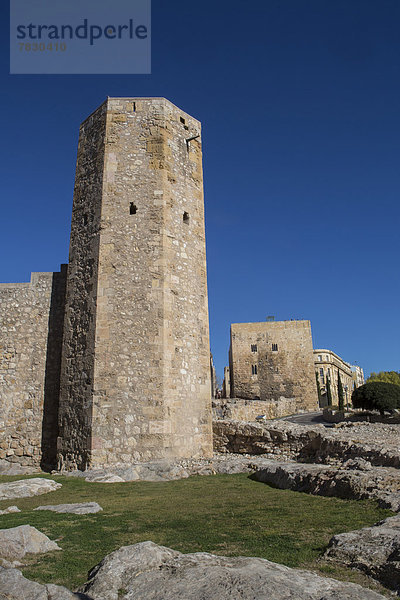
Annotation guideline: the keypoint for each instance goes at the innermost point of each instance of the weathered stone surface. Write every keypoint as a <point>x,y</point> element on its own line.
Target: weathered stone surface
<point>273,362</point>
<point>10,509</point>
<point>374,550</point>
<point>18,541</point>
<point>31,318</point>
<point>135,382</point>
<point>376,443</point>
<point>27,487</point>
<point>154,572</point>
<point>10,468</point>
<point>78,508</point>
<point>378,483</point>
<point>106,478</point>
<point>172,470</point>
<point>14,586</point>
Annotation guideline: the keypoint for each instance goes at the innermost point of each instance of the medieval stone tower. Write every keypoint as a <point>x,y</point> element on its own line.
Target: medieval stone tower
<point>135,376</point>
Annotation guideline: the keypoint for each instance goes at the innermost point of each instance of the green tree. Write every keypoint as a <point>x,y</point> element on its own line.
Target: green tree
<point>340,393</point>
<point>385,376</point>
<point>377,395</point>
<point>328,391</point>
<point>318,388</point>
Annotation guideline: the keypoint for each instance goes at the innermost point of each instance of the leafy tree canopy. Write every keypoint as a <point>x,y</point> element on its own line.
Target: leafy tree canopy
<point>386,376</point>
<point>377,395</point>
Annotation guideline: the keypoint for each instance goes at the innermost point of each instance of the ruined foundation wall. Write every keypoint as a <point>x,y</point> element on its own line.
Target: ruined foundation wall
<point>31,316</point>
<point>237,409</point>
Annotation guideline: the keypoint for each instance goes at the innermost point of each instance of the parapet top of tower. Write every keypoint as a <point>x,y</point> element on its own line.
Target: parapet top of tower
<point>138,104</point>
<point>270,324</point>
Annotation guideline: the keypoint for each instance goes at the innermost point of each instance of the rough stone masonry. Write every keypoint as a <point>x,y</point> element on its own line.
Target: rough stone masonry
<point>115,348</point>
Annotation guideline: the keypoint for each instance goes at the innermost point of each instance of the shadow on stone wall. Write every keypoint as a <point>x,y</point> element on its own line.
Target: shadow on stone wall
<point>53,371</point>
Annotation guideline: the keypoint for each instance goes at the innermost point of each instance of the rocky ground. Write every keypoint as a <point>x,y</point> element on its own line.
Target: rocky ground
<point>151,572</point>
<point>357,460</point>
<point>375,442</point>
<point>374,550</point>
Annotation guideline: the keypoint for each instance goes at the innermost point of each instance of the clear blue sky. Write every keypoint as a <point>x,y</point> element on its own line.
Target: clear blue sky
<point>299,101</point>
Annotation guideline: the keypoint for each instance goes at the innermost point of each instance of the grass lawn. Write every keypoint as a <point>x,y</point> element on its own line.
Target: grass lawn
<point>223,514</point>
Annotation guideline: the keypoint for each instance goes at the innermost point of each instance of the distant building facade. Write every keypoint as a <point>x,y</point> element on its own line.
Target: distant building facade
<point>358,375</point>
<point>226,389</point>
<point>272,362</point>
<point>327,366</point>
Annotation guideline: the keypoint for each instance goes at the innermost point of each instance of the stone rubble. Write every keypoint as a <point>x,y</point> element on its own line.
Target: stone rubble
<point>374,550</point>
<point>10,509</point>
<point>14,586</point>
<point>170,470</point>
<point>18,541</point>
<point>78,508</point>
<point>377,443</point>
<point>24,488</point>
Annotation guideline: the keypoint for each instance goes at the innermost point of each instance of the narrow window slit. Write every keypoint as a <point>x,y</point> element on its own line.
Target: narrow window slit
<point>186,217</point>
<point>132,209</point>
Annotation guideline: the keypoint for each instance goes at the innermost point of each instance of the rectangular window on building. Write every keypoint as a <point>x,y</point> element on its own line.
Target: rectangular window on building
<point>321,374</point>
<point>254,369</point>
<point>320,357</point>
<point>254,347</point>
<point>274,347</point>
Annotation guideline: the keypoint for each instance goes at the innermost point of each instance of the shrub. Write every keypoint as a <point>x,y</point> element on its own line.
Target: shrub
<point>377,396</point>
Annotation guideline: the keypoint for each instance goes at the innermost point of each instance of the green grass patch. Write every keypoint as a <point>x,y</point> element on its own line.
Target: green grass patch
<point>223,514</point>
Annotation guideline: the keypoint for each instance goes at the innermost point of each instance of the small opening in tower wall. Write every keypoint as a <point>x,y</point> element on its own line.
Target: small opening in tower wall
<point>183,121</point>
<point>254,369</point>
<point>274,347</point>
<point>132,209</point>
<point>186,217</point>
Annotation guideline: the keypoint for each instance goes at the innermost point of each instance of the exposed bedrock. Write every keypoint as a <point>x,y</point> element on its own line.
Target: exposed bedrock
<point>374,550</point>
<point>382,484</point>
<point>154,572</point>
<point>376,443</point>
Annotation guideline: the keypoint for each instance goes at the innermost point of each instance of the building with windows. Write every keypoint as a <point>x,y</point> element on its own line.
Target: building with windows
<point>272,362</point>
<point>329,365</point>
<point>358,375</point>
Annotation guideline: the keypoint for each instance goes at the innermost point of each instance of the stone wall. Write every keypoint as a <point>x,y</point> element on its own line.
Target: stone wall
<point>77,372</point>
<point>375,443</point>
<point>136,354</point>
<point>273,360</point>
<point>31,317</point>
<point>238,409</point>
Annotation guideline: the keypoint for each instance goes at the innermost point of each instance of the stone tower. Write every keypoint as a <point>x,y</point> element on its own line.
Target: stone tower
<point>135,374</point>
